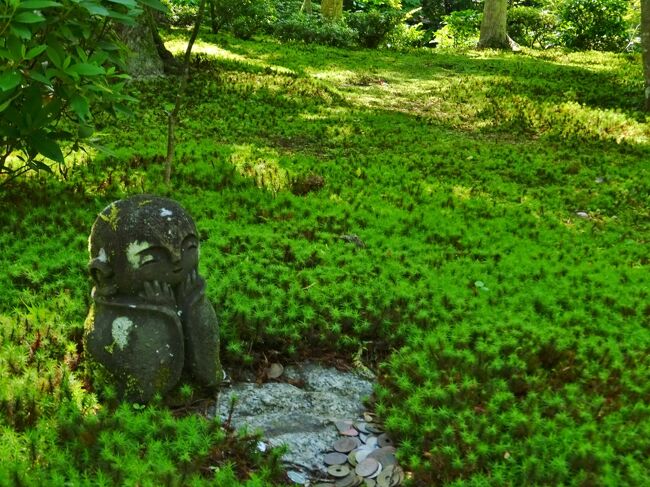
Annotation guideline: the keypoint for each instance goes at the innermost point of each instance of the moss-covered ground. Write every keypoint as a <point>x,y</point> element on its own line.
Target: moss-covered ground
<point>472,226</point>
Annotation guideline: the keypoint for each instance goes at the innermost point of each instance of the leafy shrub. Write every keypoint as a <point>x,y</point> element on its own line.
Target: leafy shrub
<point>593,24</point>
<point>373,27</point>
<point>181,13</point>
<point>435,10</point>
<point>404,36</point>
<point>530,26</point>
<point>370,5</point>
<point>243,17</point>
<point>312,29</point>
<point>285,8</point>
<point>460,29</point>
<point>57,61</point>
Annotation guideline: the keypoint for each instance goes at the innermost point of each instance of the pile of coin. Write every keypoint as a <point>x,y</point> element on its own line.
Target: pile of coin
<point>362,456</point>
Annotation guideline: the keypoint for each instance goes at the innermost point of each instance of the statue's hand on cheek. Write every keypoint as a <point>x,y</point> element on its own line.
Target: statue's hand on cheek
<point>190,290</point>
<point>159,293</point>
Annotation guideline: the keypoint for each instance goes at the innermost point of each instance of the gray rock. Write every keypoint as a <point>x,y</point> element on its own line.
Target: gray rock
<point>302,418</point>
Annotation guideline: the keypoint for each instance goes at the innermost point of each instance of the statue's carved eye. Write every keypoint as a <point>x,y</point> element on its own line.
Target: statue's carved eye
<point>190,243</point>
<point>147,259</point>
<point>153,255</point>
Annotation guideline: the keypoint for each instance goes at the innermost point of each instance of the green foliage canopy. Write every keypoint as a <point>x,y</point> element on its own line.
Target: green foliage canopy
<point>59,60</point>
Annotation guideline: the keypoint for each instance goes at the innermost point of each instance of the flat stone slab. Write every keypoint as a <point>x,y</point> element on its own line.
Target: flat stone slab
<point>303,418</point>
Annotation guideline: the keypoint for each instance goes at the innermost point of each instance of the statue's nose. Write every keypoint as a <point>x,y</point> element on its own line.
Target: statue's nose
<point>176,257</point>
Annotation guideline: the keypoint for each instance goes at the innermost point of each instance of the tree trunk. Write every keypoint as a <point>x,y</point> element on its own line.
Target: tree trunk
<point>645,42</point>
<point>173,116</point>
<point>331,9</point>
<point>148,55</point>
<point>170,65</point>
<point>493,26</point>
<point>143,58</point>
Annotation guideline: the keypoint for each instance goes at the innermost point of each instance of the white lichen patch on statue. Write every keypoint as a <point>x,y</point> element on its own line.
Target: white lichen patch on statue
<point>102,257</point>
<point>120,331</point>
<point>165,212</point>
<point>132,251</point>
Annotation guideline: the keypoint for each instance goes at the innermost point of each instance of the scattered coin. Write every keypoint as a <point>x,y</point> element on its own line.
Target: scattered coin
<point>352,458</point>
<point>350,432</point>
<point>338,470</point>
<point>367,467</point>
<point>297,477</point>
<point>385,455</point>
<point>335,458</point>
<point>376,474</point>
<point>362,453</point>
<point>351,480</point>
<point>346,445</point>
<point>397,477</point>
<point>384,440</point>
<point>274,371</point>
<point>361,426</point>
<point>371,441</point>
<point>385,477</point>
<point>343,425</point>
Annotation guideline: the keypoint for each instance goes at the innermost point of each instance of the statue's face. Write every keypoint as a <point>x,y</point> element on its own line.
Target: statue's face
<point>169,261</point>
<point>140,239</point>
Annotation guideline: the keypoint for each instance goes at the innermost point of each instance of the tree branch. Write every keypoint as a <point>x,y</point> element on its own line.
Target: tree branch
<point>173,116</point>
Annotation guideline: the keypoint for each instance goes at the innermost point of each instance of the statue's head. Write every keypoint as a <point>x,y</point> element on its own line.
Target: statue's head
<point>142,238</point>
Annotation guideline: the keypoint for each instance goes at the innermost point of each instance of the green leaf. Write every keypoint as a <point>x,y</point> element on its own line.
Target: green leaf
<point>40,165</point>
<point>126,19</point>
<point>28,18</point>
<point>85,131</point>
<point>39,77</point>
<point>35,51</point>
<point>21,31</point>
<point>10,80</point>
<point>35,4</point>
<point>95,9</point>
<point>5,104</point>
<point>85,69</point>
<point>80,106</point>
<point>55,55</point>
<point>16,48</point>
<point>154,4</point>
<point>128,3</point>
<point>42,144</point>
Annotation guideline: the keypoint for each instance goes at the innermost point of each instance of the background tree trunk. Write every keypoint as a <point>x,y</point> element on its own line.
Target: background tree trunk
<point>148,55</point>
<point>493,26</point>
<point>331,9</point>
<point>645,42</point>
<point>306,7</point>
<point>143,58</point>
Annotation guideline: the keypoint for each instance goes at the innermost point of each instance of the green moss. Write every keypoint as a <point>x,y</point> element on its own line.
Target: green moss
<point>438,171</point>
<point>112,218</point>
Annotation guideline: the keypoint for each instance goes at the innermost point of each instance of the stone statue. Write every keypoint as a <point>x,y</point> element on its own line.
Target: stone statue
<point>150,324</point>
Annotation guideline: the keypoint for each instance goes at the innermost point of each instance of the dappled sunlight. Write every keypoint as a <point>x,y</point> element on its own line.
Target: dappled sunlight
<point>262,165</point>
<point>178,47</point>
